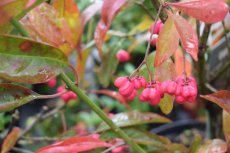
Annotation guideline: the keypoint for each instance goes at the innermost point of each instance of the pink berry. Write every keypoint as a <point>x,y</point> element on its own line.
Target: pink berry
<point>120,81</point>
<point>145,94</point>
<point>154,96</point>
<point>60,89</point>
<point>142,98</point>
<point>65,97</point>
<point>171,89</point>
<point>191,99</point>
<point>139,82</point>
<point>72,95</point>
<point>132,95</point>
<point>180,99</point>
<point>52,83</point>
<point>153,41</point>
<point>185,92</point>
<point>178,90</point>
<point>127,89</point>
<point>157,28</point>
<point>123,56</point>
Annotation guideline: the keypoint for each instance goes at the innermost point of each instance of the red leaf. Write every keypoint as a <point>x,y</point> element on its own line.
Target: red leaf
<point>10,140</point>
<point>187,34</point>
<point>208,11</point>
<point>167,42</point>
<point>221,98</point>
<point>74,145</point>
<point>109,10</point>
<point>114,95</point>
<point>89,12</point>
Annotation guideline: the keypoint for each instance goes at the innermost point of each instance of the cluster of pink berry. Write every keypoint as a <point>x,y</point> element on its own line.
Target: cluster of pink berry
<point>66,97</point>
<point>156,31</point>
<point>184,88</point>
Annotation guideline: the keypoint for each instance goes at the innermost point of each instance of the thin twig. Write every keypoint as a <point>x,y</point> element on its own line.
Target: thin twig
<point>113,147</point>
<point>210,87</point>
<point>41,116</point>
<point>148,48</point>
<point>64,125</point>
<point>39,139</point>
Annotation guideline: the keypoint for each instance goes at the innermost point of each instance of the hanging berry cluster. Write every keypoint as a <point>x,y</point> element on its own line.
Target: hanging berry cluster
<point>183,88</point>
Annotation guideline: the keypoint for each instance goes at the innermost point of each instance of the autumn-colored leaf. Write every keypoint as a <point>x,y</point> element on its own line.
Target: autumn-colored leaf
<point>226,129</point>
<point>221,98</point>
<point>74,145</point>
<point>109,10</point>
<point>134,118</point>
<point>10,140</point>
<point>210,11</point>
<point>213,146</point>
<point>179,63</point>
<point>187,35</point>
<point>166,71</point>
<point>90,11</point>
<point>167,42</point>
<point>114,95</point>
<point>56,30</point>
<point>68,10</point>
<point>26,61</point>
<point>7,9</point>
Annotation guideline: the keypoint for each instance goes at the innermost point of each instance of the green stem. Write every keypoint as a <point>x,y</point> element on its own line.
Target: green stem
<point>19,27</point>
<point>100,113</point>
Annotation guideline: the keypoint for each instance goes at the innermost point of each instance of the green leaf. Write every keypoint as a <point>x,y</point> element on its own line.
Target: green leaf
<point>27,61</point>
<point>133,119</point>
<point>221,98</point>
<point>13,96</point>
<point>139,136</point>
<point>226,129</point>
